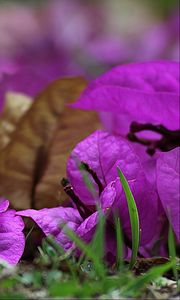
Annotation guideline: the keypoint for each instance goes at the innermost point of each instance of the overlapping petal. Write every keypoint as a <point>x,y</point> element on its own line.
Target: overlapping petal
<point>142,92</point>
<point>12,239</point>
<point>135,92</point>
<point>103,152</point>
<point>147,205</point>
<point>168,184</point>
<point>52,220</point>
<point>3,205</point>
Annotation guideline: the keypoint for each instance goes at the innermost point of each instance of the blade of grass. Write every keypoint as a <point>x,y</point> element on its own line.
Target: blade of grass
<point>58,254</point>
<point>80,260</point>
<point>29,233</point>
<point>98,265</point>
<point>134,217</point>
<point>63,255</point>
<point>44,257</point>
<point>135,286</point>
<point>120,243</point>
<point>98,242</point>
<point>64,289</point>
<point>59,250</point>
<point>172,251</point>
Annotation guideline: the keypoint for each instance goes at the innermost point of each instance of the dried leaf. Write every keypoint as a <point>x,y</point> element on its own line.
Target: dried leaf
<point>144,264</point>
<point>15,106</point>
<point>23,160</point>
<point>74,126</point>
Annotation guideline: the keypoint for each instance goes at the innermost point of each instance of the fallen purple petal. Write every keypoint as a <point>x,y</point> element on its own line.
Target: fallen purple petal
<point>12,239</point>
<point>52,220</point>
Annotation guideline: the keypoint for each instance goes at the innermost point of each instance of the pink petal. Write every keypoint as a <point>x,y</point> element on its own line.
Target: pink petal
<point>3,205</point>
<point>108,196</point>
<point>87,228</point>
<point>147,205</point>
<point>12,239</point>
<point>103,152</point>
<point>168,184</point>
<point>136,92</point>
<point>50,221</point>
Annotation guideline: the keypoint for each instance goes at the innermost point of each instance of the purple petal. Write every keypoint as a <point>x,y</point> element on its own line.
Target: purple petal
<point>12,239</point>
<point>147,205</point>
<point>35,73</point>
<point>168,185</point>
<point>158,245</point>
<point>113,200</point>
<point>3,205</point>
<point>108,196</point>
<point>22,82</point>
<point>136,92</point>
<point>7,66</point>
<point>50,221</point>
<point>103,152</point>
<point>87,228</point>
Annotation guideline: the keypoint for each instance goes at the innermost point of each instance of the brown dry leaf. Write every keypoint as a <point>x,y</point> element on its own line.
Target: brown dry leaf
<point>75,125</point>
<point>23,160</point>
<point>15,106</point>
<point>144,264</point>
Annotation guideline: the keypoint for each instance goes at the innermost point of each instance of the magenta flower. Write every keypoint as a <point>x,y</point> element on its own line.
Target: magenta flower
<point>30,77</point>
<point>102,42</point>
<point>13,34</point>
<point>52,220</point>
<point>168,174</point>
<point>29,58</point>
<point>101,154</point>
<point>143,92</point>
<point>22,82</point>
<point>12,239</point>
<point>161,41</point>
<point>135,92</point>
<point>7,66</point>
<point>60,35</point>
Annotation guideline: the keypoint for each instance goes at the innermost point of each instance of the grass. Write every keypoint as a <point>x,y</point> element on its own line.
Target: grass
<point>120,243</point>
<point>56,273</point>
<point>172,253</point>
<point>91,281</point>
<point>134,218</point>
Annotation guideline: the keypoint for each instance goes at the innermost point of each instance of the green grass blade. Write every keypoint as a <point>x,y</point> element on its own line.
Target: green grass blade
<point>60,254</point>
<point>172,251</point>
<point>64,289</point>
<point>134,217</point>
<point>98,242</point>
<point>120,243</point>
<point>135,286</point>
<point>87,250</point>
